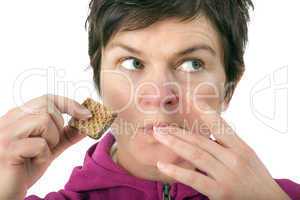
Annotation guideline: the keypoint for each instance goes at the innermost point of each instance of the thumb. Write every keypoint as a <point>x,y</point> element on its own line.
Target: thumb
<point>69,137</point>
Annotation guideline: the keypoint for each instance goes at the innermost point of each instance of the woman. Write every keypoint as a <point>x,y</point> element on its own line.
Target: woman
<point>169,68</point>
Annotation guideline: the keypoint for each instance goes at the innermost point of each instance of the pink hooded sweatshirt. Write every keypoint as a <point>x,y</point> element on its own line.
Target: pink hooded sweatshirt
<point>101,178</point>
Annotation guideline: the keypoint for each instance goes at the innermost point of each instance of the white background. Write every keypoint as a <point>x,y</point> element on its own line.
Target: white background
<point>36,35</point>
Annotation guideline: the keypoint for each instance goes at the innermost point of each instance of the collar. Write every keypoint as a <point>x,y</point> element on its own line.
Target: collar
<point>102,172</point>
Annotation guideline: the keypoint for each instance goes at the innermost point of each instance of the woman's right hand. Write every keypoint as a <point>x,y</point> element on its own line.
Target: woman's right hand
<point>31,137</point>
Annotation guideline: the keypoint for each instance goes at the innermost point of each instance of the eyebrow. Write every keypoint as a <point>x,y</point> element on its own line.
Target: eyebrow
<point>197,47</point>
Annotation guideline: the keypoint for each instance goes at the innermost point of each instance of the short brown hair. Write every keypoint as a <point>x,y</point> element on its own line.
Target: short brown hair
<point>230,18</point>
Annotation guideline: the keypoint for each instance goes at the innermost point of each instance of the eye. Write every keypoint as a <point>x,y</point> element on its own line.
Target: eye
<point>131,64</point>
<point>191,65</point>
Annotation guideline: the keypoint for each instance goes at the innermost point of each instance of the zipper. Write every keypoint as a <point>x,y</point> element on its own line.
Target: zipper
<point>166,192</point>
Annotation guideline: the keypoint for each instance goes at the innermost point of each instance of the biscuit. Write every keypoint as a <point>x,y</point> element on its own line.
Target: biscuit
<point>96,126</point>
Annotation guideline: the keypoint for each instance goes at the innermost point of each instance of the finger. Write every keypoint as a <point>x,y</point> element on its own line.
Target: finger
<point>217,151</point>
<point>26,148</point>
<point>69,137</point>
<point>69,106</point>
<point>34,126</point>
<point>196,180</point>
<point>57,117</point>
<point>218,127</point>
<point>55,114</point>
<point>49,103</point>
<point>194,154</point>
<point>16,113</point>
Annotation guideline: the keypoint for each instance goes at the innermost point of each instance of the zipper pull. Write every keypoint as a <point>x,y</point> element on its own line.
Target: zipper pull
<point>166,192</point>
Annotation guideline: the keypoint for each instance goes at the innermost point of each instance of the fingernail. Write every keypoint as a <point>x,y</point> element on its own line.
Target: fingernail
<point>86,112</point>
<point>161,165</point>
<point>162,137</point>
<point>161,130</point>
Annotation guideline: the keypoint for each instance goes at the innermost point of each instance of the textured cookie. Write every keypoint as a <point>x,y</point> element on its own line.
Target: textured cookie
<point>101,120</point>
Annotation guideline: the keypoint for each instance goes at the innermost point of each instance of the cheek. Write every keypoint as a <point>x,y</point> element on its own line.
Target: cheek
<point>117,93</point>
<point>117,90</point>
<point>209,92</point>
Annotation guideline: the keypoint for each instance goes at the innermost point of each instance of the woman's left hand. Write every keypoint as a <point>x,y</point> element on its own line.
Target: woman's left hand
<point>232,169</point>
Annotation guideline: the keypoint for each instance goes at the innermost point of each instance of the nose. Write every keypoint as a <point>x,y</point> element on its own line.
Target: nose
<point>163,97</point>
<point>158,94</point>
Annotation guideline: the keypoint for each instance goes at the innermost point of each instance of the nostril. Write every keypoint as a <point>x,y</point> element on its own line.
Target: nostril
<point>172,100</point>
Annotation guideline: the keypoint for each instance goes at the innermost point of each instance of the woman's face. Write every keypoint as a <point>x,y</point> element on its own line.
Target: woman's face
<point>155,77</point>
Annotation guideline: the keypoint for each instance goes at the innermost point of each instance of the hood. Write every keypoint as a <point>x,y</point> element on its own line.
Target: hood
<point>100,172</point>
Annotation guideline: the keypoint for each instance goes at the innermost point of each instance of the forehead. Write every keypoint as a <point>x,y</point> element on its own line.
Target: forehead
<point>171,34</point>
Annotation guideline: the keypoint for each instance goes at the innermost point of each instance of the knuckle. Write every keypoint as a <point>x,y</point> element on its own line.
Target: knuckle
<point>59,119</point>
<point>197,155</point>
<point>47,110</point>
<point>47,96</point>
<point>249,152</point>
<point>43,101</point>
<point>239,162</point>
<point>43,144</point>
<point>35,103</point>
<point>44,120</point>
<point>243,158</point>
<point>56,139</point>
<point>250,157</point>
<point>47,128</point>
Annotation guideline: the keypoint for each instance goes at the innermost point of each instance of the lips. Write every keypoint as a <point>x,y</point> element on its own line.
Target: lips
<point>149,127</point>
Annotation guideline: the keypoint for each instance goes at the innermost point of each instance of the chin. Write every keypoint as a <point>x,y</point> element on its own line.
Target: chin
<point>149,154</point>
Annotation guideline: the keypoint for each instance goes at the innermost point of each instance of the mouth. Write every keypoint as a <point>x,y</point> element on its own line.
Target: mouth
<point>149,128</point>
